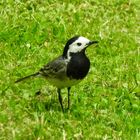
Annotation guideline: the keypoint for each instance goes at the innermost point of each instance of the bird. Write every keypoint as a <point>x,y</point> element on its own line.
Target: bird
<point>68,69</point>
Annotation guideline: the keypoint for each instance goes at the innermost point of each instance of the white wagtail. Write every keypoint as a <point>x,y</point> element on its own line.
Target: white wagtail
<point>69,68</point>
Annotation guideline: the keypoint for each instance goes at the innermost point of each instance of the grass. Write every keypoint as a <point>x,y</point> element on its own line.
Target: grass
<point>106,105</point>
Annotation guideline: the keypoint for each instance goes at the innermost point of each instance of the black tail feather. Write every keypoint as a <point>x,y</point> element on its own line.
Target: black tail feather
<point>24,78</point>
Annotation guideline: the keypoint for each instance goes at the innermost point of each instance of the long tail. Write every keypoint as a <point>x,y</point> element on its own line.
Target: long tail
<point>24,78</point>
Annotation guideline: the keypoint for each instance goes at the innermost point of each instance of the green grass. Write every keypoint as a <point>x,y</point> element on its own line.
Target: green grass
<point>106,105</point>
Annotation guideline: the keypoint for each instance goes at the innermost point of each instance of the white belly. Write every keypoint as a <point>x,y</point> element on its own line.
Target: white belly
<point>63,83</point>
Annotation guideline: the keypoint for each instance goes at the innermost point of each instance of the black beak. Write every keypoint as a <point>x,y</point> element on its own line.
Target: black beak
<point>92,42</point>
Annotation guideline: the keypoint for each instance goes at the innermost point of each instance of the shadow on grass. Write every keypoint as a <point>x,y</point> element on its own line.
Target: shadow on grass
<point>41,103</point>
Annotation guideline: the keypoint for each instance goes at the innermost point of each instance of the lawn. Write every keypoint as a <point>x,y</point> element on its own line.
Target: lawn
<point>105,105</point>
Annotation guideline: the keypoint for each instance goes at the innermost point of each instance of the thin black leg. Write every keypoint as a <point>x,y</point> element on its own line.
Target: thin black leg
<point>60,99</point>
<point>69,97</point>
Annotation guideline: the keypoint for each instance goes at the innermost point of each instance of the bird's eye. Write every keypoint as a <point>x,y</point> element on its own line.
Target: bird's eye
<point>79,44</point>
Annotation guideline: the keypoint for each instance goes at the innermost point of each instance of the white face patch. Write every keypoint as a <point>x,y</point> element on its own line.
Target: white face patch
<point>78,45</point>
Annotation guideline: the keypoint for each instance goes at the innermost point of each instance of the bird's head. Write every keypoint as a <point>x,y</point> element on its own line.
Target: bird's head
<point>76,44</point>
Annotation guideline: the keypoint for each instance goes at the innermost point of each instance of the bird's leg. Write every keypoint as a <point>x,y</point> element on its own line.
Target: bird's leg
<point>69,97</point>
<point>60,99</point>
